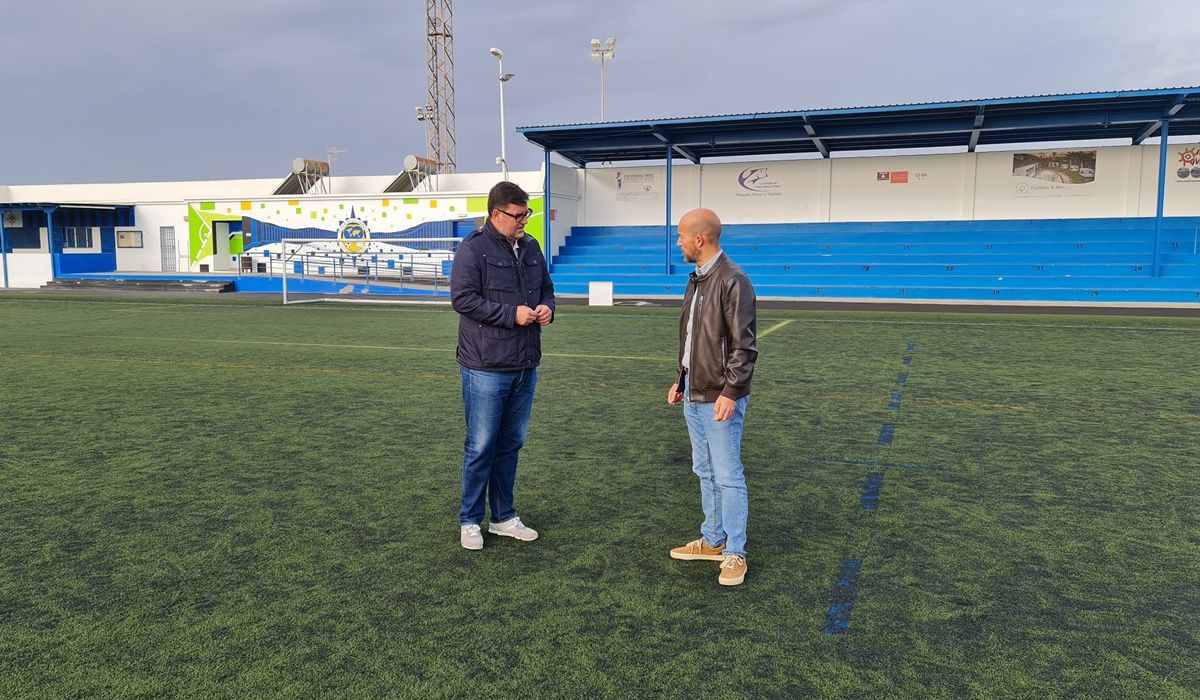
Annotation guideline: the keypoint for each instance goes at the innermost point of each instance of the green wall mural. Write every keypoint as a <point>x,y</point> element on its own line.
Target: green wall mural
<point>405,213</point>
<point>200,231</point>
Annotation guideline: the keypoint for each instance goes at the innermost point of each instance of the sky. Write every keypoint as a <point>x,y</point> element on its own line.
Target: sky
<point>139,90</point>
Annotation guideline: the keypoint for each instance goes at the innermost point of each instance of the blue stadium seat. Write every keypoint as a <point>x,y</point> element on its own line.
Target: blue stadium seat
<point>1003,260</point>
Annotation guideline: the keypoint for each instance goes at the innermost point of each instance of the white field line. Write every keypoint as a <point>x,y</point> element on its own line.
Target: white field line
<point>773,328</point>
<point>336,346</point>
<point>656,317</point>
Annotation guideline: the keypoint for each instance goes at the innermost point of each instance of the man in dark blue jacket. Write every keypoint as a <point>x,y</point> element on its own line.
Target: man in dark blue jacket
<point>500,286</point>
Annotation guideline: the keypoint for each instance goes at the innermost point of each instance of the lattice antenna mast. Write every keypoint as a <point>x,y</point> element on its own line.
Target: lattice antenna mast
<point>439,54</point>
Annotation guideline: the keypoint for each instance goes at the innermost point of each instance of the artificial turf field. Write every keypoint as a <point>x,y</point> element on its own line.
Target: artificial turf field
<point>238,499</point>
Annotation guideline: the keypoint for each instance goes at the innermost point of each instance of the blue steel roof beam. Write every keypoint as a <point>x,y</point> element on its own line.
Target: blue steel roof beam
<point>1032,102</point>
<point>816,141</point>
<point>975,132</point>
<point>1153,127</point>
<point>579,163</point>
<point>681,150</point>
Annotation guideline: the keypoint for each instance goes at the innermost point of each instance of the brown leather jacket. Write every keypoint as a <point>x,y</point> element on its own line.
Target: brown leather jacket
<point>723,335</point>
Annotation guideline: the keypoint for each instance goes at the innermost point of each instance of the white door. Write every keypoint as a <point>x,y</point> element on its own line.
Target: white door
<point>166,238</point>
<point>221,259</point>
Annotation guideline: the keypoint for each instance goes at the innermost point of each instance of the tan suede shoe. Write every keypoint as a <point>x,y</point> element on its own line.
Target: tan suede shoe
<point>697,549</point>
<point>733,570</point>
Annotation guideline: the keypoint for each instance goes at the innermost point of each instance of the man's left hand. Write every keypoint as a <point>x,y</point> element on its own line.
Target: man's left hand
<point>543,314</point>
<point>723,410</point>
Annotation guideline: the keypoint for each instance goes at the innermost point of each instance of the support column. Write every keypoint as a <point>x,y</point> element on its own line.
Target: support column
<point>667,230</point>
<point>548,251</point>
<point>3,250</point>
<point>1155,271</point>
<point>54,256</point>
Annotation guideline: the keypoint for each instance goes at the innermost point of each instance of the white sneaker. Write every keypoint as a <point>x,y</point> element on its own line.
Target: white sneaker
<point>513,527</point>
<point>471,537</point>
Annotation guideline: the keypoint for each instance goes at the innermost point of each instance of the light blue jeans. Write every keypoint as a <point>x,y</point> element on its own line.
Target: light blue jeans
<point>717,460</point>
<point>497,407</point>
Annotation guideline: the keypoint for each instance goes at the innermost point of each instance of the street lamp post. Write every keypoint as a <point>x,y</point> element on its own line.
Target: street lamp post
<point>502,161</point>
<point>602,54</point>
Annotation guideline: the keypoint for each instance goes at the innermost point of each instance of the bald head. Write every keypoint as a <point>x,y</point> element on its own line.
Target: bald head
<point>699,235</point>
<point>702,222</point>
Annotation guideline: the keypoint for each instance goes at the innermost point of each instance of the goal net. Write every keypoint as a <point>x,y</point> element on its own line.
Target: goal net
<point>375,270</point>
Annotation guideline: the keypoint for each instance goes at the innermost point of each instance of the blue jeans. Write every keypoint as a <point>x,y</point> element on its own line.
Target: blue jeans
<point>497,407</point>
<point>717,460</point>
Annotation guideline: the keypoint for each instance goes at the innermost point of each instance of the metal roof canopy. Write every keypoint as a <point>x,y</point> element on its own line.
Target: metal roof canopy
<point>41,206</point>
<point>1133,114</point>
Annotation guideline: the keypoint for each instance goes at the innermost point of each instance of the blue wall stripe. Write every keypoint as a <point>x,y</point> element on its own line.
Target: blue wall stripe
<point>886,433</point>
<point>870,494</point>
<point>845,589</point>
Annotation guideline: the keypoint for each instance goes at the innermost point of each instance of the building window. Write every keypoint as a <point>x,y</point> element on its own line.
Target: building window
<point>25,238</point>
<point>77,237</point>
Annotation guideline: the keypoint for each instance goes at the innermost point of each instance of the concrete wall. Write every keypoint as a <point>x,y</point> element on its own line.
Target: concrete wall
<point>957,186</point>
<point>29,270</point>
<point>151,219</point>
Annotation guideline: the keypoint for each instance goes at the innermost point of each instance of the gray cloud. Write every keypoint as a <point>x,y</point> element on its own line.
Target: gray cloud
<point>139,90</point>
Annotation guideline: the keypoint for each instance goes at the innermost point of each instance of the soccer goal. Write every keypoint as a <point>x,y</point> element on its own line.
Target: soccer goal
<point>375,271</point>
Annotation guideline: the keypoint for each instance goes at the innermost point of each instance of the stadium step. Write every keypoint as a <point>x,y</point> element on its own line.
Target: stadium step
<point>1067,259</point>
<point>142,285</point>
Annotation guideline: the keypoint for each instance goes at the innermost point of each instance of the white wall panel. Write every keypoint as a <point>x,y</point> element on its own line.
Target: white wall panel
<point>637,196</point>
<point>899,188</point>
<point>1002,195</point>
<point>29,270</point>
<point>766,192</point>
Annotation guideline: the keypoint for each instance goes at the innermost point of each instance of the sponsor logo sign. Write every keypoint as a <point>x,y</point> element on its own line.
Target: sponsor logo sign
<point>635,187</point>
<point>900,177</point>
<point>1054,173</point>
<point>1188,169</point>
<point>756,181</point>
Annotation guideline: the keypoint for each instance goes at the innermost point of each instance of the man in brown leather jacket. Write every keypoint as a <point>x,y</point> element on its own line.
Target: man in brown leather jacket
<point>717,352</point>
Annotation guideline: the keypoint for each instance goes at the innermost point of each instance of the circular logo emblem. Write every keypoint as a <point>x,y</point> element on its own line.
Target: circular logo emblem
<point>1022,187</point>
<point>353,235</point>
<point>1183,172</point>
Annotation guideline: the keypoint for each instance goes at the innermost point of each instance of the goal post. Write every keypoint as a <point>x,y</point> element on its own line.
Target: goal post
<point>375,270</point>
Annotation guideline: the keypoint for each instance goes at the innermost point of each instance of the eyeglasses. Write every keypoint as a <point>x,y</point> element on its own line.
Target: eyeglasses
<point>523,216</point>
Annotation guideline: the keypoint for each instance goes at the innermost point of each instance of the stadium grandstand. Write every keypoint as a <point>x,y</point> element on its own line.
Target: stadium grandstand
<point>1076,198</point>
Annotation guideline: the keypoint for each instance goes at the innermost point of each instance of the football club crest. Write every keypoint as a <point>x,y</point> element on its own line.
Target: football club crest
<point>353,234</point>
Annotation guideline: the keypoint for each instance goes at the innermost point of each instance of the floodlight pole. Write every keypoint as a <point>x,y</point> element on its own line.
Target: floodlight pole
<point>504,78</point>
<point>602,53</point>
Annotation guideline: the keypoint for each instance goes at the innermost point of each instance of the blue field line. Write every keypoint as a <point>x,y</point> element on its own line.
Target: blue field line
<point>894,402</point>
<point>845,589</point>
<point>879,465</point>
<point>910,347</point>
<point>886,433</point>
<point>870,494</point>
<point>906,360</point>
<point>902,378</point>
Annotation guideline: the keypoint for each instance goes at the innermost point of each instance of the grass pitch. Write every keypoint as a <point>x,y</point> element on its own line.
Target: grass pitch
<point>233,499</point>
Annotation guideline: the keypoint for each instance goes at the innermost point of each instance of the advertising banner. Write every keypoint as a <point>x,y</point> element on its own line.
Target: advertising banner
<point>638,187</point>
<point>1187,165</point>
<point>1054,173</point>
